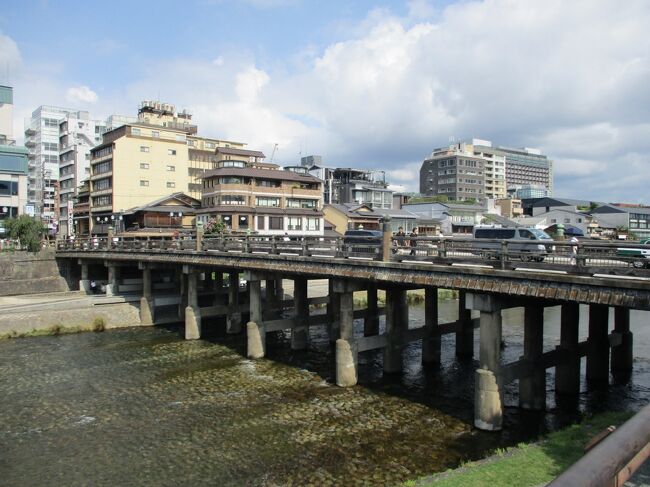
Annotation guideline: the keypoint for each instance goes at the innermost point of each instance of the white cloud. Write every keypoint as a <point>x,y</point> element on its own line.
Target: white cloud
<point>81,95</point>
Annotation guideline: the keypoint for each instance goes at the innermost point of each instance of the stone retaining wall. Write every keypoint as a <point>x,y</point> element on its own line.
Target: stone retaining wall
<point>29,273</point>
<point>110,315</point>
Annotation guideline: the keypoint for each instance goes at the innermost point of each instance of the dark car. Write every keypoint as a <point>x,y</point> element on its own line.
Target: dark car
<point>362,241</point>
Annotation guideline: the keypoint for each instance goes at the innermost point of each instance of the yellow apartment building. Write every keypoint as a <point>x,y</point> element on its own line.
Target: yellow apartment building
<point>139,162</point>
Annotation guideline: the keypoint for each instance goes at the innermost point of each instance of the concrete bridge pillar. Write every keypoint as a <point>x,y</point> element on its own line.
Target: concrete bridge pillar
<point>300,332</point>
<point>465,330</point>
<point>622,357</point>
<point>567,371</point>
<point>431,344</point>
<point>233,320</point>
<point>84,282</point>
<point>371,320</point>
<point>217,287</point>
<point>146,301</point>
<point>488,403</point>
<point>255,330</point>
<point>334,313</point>
<point>598,345</point>
<point>113,276</point>
<point>271,295</point>
<point>192,311</point>
<point>346,346</point>
<point>182,279</point>
<point>532,388</point>
<point>396,325</point>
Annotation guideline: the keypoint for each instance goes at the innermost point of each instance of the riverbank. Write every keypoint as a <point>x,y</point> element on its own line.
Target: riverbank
<point>64,313</point>
<point>528,464</point>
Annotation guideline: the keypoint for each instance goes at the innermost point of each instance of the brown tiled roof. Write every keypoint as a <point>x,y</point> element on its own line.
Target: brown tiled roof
<point>239,152</point>
<point>261,173</point>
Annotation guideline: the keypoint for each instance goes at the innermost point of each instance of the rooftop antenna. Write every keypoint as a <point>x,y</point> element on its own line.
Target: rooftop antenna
<point>275,148</point>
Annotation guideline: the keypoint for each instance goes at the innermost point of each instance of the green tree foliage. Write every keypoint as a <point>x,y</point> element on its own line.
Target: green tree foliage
<point>26,229</point>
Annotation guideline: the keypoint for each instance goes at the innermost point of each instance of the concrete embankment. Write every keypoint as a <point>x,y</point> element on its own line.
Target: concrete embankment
<point>30,273</point>
<point>64,312</point>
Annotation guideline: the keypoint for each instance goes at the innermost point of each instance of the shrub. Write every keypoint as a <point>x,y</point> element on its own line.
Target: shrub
<point>99,324</point>
<point>27,229</point>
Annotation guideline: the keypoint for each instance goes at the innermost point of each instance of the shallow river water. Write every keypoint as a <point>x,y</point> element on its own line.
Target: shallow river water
<point>142,406</point>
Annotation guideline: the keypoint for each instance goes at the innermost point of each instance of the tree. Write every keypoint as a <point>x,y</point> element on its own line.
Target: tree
<point>214,227</point>
<point>26,229</point>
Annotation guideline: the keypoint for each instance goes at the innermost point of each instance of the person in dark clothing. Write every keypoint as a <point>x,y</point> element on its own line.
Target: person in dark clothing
<point>400,236</point>
<point>413,243</point>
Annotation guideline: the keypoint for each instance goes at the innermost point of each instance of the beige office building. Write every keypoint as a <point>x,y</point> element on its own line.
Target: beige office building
<point>139,162</point>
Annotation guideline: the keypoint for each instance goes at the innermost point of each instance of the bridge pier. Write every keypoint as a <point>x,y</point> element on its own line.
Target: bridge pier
<point>113,276</point>
<point>396,326</point>
<point>431,341</point>
<point>488,402</point>
<point>333,313</point>
<point>532,386</point>
<point>255,329</point>
<point>273,303</point>
<point>465,330</point>
<point>347,362</point>
<point>233,320</point>
<point>182,281</point>
<point>371,320</point>
<point>567,370</point>
<point>147,313</point>
<point>84,282</point>
<point>300,331</point>
<point>598,345</point>
<point>622,357</point>
<point>217,287</point>
<point>192,310</point>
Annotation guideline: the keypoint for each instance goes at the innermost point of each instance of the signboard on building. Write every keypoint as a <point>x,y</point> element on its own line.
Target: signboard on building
<point>70,218</point>
<point>30,210</point>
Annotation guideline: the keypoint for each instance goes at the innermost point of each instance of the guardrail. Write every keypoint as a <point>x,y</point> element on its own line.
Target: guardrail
<point>585,257</point>
<point>612,461</point>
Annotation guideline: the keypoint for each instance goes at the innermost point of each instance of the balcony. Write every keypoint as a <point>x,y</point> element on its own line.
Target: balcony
<point>102,175</point>
<point>30,143</point>
<point>30,132</point>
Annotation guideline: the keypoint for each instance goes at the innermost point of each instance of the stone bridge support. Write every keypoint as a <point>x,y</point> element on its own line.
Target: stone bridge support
<point>300,332</point>
<point>192,310</point>
<point>147,313</point>
<point>255,329</point>
<point>532,386</point>
<point>622,357</point>
<point>567,370</point>
<point>396,326</point>
<point>333,312</point>
<point>84,282</point>
<point>465,330</point>
<point>233,320</point>
<point>113,276</point>
<point>598,345</point>
<point>371,320</point>
<point>347,361</point>
<point>431,343</point>
<point>488,394</point>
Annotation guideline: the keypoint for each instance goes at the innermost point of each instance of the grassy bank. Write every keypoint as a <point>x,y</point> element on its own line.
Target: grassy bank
<point>528,464</point>
<point>97,325</point>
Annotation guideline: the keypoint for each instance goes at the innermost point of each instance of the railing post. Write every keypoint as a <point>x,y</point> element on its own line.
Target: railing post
<point>504,253</point>
<point>274,245</point>
<point>386,239</point>
<point>305,247</point>
<point>442,252</point>
<point>199,236</point>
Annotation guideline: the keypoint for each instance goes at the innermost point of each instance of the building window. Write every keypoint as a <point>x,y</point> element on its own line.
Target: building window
<point>155,133</point>
<point>231,180</point>
<point>171,152</point>
<point>9,188</point>
<point>229,199</point>
<point>180,137</point>
<point>209,145</point>
<point>276,223</point>
<point>191,142</point>
<point>300,203</point>
<point>295,223</point>
<point>144,165</point>
<point>312,223</point>
<point>144,148</point>
<point>243,222</point>
<point>227,220</point>
<point>102,184</point>
<point>135,131</point>
<point>171,184</point>
<point>171,168</point>
<point>267,183</point>
<point>102,167</point>
<point>233,163</point>
<point>260,223</point>
<point>144,182</point>
<point>267,201</point>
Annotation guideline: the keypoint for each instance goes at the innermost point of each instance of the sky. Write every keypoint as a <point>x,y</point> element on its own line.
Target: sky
<point>366,84</point>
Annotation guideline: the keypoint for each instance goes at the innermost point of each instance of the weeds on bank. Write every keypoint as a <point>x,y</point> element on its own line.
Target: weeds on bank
<point>528,464</point>
<point>98,325</point>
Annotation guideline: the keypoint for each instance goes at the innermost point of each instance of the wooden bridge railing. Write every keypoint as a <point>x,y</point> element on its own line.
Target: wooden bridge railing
<point>584,257</point>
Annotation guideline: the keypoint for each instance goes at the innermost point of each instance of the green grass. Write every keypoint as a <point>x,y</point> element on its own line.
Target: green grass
<point>529,464</point>
<point>98,325</point>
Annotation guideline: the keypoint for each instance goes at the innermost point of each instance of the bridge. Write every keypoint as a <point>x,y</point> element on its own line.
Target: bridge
<point>199,278</point>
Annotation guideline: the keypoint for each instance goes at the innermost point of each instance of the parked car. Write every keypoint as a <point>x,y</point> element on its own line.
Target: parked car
<point>639,258</point>
<point>528,243</point>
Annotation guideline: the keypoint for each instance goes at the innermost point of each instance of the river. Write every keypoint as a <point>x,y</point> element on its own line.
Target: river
<point>142,406</point>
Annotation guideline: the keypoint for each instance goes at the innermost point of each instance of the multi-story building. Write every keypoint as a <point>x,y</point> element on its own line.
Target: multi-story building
<point>454,172</point>
<point>348,185</point>
<point>78,134</point>
<point>150,158</point>
<point>510,207</point>
<point>248,195</point>
<point>528,191</point>
<point>13,162</point>
<point>523,166</point>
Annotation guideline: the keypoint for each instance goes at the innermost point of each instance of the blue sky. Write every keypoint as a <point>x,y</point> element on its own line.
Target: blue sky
<point>370,84</point>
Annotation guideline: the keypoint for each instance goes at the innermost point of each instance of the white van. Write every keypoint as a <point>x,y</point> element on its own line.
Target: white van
<point>526,243</point>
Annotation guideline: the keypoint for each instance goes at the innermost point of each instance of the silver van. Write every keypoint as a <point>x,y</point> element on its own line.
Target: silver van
<point>525,243</point>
